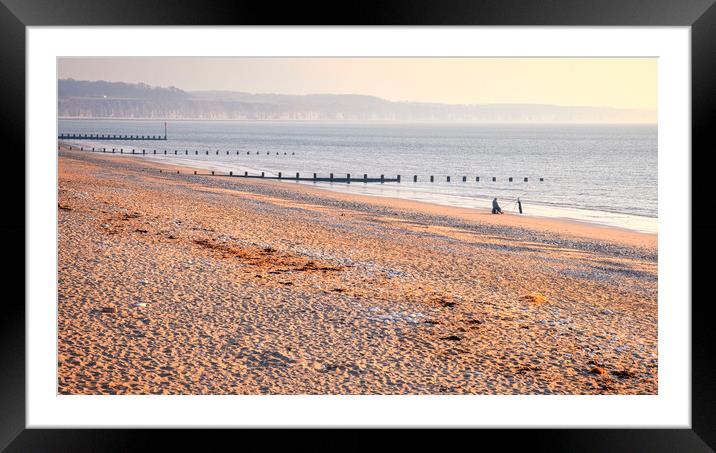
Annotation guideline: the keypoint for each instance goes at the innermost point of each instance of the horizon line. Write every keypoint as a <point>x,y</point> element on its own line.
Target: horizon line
<point>163,119</point>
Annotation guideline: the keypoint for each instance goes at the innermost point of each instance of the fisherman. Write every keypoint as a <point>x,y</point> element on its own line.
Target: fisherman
<point>519,204</point>
<point>496,207</point>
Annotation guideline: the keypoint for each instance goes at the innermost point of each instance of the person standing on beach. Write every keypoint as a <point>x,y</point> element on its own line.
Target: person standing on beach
<point>519,204</point>
<point>496,207</point>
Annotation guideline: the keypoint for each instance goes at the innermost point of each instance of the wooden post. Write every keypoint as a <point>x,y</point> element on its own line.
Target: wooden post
<point>194,171</point>
<point>177,172</point>
<point>415,178</point>
<point>382,179</point>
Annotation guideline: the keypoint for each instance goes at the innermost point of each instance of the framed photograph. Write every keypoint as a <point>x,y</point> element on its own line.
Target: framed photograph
<point>412,216</point>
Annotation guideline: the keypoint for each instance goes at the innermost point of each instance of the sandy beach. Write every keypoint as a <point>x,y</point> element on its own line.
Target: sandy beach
<point>180,284</point>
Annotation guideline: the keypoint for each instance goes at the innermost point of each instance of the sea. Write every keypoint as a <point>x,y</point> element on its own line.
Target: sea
<point>600,174</point>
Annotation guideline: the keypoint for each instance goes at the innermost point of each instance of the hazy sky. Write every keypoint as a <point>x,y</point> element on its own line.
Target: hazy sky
<point>603,82</point>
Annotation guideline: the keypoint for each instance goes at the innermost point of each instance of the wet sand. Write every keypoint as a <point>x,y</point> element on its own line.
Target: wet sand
<point>180,284</point>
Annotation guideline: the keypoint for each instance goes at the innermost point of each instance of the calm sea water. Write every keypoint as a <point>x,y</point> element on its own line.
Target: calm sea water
<point>604,174</point>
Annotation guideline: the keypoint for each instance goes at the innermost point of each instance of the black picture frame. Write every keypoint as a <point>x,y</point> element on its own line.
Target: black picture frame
<point>16,15</point>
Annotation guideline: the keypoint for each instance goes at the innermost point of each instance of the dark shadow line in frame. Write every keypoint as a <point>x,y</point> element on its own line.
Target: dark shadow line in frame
<point>15,15</point>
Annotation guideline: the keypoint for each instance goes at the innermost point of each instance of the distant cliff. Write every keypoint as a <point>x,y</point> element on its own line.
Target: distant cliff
<point>100,99</point>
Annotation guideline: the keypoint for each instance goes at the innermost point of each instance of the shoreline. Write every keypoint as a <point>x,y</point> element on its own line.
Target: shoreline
<point>593,216</point>
<point>559,225</point>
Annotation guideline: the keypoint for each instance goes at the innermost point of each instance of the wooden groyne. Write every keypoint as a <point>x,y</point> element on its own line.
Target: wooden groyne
<point>109,137</point>
<point>76,136</point>
<point>315,178</point>
<point>280,177</point>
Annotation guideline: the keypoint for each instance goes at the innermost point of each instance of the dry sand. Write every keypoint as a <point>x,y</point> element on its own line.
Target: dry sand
<point>185,284</point>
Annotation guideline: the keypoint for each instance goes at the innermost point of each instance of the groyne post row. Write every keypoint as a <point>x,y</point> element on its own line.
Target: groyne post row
<point>177,152</point>
<point>110,137</point>
<point>315,178</point>
<point>280,176</point>
<point>347,179</point>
